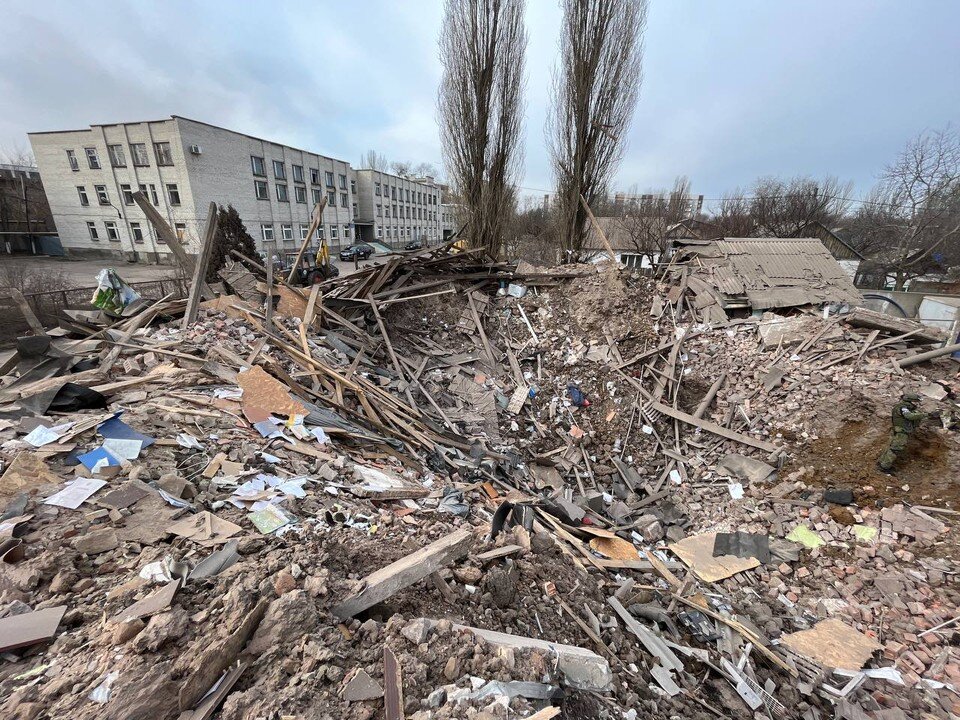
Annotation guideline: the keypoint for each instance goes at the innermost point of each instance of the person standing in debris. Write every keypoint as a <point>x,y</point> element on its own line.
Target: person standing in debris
<point>906,417</point>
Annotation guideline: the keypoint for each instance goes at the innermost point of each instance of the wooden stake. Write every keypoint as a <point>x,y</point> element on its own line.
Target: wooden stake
<point>200,267</point>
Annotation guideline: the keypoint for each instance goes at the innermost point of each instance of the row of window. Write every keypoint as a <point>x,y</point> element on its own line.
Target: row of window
<point>286,232</point>
<point>413,196</point>
<point>138,152</point>
<point>258,166</point>
<point>262,192</point>
<point>136,230</point>
<point>408,213</point>
<point>103,198</point>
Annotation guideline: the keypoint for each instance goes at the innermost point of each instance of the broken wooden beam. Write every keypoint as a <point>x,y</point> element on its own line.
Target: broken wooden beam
<point>712,427</point>
<point>387,581</point>
<point>200,266</point>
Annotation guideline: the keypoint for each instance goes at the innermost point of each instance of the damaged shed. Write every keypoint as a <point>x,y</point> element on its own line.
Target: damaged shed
<point>758,274</point>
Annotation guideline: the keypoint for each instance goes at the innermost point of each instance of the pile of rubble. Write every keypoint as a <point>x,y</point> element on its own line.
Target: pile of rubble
<point>444,488</point>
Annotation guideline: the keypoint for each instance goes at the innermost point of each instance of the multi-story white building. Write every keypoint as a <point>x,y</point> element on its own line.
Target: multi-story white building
<point>396,210</point>
<point>182,165</point>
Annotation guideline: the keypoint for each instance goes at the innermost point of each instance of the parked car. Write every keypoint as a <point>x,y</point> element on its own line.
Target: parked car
<point>415,245</point>
<point>360,251</point>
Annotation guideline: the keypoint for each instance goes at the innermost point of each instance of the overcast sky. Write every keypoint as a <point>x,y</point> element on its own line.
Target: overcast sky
<point>733,89</point>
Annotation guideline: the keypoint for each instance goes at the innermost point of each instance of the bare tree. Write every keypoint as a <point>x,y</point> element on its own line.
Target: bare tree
<point>595,90</point>
<point>482,48</point>
<point>17,154</point>
<point>910,222</point>
<point>733,218</point>
<point>781,208</point>
<point>425,169</point>
<point>647,218</point>
<point>375,161</point>
<point>402,168</point>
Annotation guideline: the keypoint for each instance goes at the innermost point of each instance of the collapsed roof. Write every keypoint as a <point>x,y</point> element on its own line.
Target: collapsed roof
<point>760,273</point>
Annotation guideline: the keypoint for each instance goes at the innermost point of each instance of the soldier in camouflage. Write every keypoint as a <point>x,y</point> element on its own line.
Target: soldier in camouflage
<point>906,417</point>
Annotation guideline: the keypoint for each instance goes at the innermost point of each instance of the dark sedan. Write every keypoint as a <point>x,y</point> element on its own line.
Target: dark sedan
<point>359,252</point>
<point>415,245</point>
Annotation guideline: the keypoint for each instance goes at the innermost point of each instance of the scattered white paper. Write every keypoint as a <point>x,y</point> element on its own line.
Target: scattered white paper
<point>647,429</point>
<point>320,435</point>
<point>42,435</point>
<point>736,491</point>
<point>101,693</point>
<point>75,493</point>
<point>675,477</point>
<point>123,449</point>
<point>272,459</point>
<point>189,441</point>
<point>156,572</point>
<point>228,393</point>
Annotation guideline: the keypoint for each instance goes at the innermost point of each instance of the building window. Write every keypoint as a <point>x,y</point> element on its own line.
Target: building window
<point>282,195</point>
<point>343,182</point>
<point>394,210</point>
<point>376,188</point>
<point>162,151</point>
<point>286,232</point>
<point>301,193</point>
<point>408,194</point>
<point>72,159</point>
<point>316,196</point>
<point>127,194</point>
<point>116,156</point>
<point>329,178</point>
<point>260,188</point>
<point>334,229</point>
<point>314,176</point>
<point>102,196</point>
<point>331,198</point>
<point>379,210</point>
<point>82,192</point>
<point>353,186</point>
<point>180,229</point>
<point>304,231</point>
<point>138,151</point>
<point>279,172</point>
<point>92,229</point>
<point>319,232</point>
<point>266,232</point>
<point>297,173</point>
<point>343,200</point>
<point>137,233</point>
<point>355,213</point>
<point>112,234</point>
<point>92,159</point>
<point>256,166</point>
<point>379,231</point>
<point>393,192</point>
<point>173,194</point>
<point>153,194</point>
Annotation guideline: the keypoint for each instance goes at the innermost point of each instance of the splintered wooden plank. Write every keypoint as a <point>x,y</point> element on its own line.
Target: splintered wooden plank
<point>393,686</point>
<point>387,581</point>
<point>712,427</point>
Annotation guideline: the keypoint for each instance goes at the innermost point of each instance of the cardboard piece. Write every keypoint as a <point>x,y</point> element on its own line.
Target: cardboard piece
<point>19,631</point>
<point>696,552</point>
<point>155,602</point>
<point>833,644</point>
<point>26,472</point>
<point>205,529</point>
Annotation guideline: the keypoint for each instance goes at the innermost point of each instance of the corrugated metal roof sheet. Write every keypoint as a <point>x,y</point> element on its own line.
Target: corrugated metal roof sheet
<point>776,272</point>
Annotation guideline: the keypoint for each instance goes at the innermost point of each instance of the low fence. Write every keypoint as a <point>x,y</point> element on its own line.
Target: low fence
<point>47,305</point>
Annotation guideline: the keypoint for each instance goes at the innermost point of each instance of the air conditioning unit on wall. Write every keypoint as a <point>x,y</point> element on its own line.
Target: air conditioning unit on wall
<point>196,149</point>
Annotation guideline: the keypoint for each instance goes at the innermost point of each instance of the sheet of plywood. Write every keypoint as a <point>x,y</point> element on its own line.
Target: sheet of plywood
<point>833,644</point>
<point>261,390</point>
<point>696,552</point>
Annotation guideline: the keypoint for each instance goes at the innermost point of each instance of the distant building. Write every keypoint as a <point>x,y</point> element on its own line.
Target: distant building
<point>449,219</point>
<point>24,213</point>
<point>397,210</point>
<point>182,165</point>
